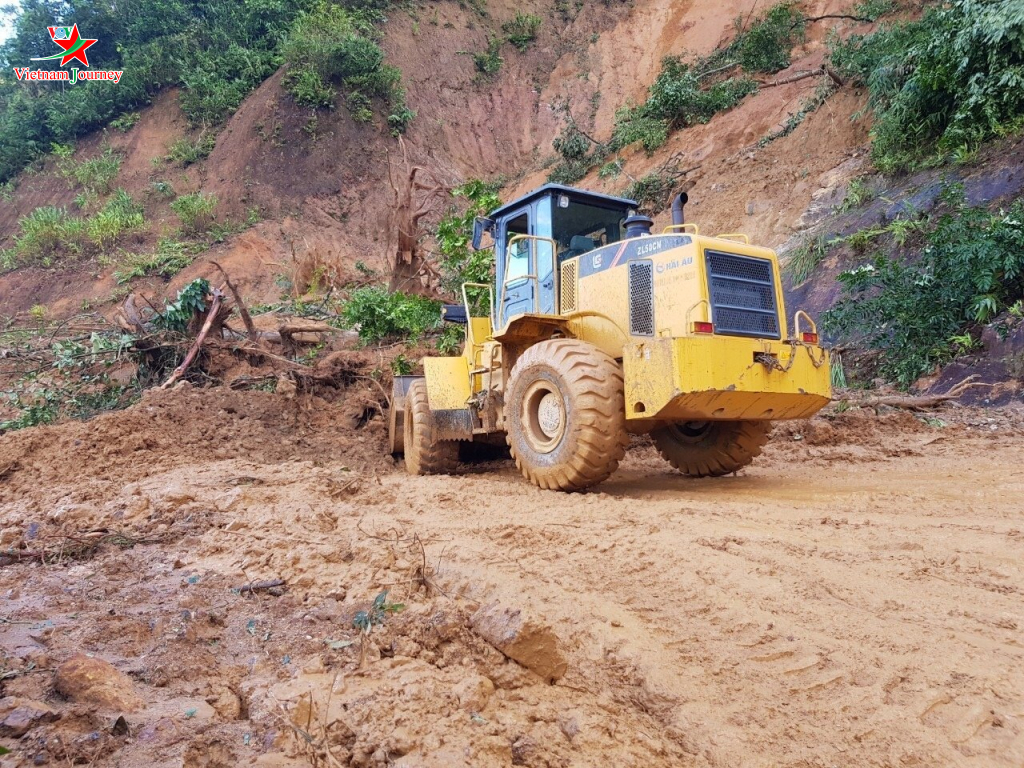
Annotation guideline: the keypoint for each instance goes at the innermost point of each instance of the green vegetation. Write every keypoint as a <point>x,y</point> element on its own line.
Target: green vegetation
<point>971,268</point>
<point>652,191</point>
<point>49,234</point>
<point>196,211</point>
<point>125,122</point>
<point>688,93</point>
<point>379,315</point>
<point>522,30</point>
<point>187,151</point>
<point>216,52</point>
<point>169,258</point>
<point>96,174</point>
<point>178,314</point>
<point>459,262</point>
<point>489,62</point>
<point>331,45</point>
<point>941,85</point>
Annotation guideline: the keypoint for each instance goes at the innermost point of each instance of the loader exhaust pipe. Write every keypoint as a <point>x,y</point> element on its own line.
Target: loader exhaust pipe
<point>677,208</point>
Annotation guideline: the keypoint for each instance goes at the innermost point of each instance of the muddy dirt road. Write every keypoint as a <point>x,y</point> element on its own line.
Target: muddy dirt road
<point>853,599</point>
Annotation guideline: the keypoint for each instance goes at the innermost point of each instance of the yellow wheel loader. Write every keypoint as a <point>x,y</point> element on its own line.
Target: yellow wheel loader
<point>596,328</point>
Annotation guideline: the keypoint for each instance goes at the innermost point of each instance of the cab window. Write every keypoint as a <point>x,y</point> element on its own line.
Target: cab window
<point>580,227</point>
<point>519,253</point>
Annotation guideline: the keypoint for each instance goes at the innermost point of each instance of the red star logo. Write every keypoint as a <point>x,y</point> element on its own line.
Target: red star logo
<point>75,47</point>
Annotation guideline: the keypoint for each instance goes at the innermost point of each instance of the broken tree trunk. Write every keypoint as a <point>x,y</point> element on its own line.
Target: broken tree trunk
<point>411,271</point>
<point>211,315</point>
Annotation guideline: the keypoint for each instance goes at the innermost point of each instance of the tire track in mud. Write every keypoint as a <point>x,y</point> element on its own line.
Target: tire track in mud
<point>796,621</point>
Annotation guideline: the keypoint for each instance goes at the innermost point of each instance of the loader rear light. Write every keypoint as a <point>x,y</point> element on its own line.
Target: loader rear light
<point>809,337</point>
<point>703,327</point>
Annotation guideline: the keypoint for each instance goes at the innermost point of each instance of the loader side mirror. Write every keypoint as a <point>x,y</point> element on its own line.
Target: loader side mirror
<point>481,225</point>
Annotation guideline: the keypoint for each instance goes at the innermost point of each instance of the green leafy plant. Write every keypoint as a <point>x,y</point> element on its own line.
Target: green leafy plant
<point>488,62</point>
<point>96,174</point>
<point>971,268</point>
<point>459,263</point>
<point>196,211</point>
<point>522,30</point>
<point>940,84</point>
<point>186,151</point>
<point>191,301</point>
<point>169,258</point>
<point>125,122</point>
<point>377,314</point>
<point>365,621</point>
<point>330,45</point>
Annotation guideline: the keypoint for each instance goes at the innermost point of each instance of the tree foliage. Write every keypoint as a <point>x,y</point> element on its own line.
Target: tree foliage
<point>940,85</point>
<point>971,268</point>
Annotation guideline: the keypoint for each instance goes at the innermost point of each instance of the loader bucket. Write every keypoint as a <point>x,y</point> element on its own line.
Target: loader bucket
<point>396,418</point>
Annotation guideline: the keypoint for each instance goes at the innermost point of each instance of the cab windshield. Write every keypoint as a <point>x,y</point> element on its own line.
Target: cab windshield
<point>581,227</point>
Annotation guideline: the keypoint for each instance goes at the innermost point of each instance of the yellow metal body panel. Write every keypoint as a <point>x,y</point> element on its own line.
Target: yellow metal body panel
<point>447,382</point>
<point>680,294</point>
<point>716,377</point>
<point>674,375</point>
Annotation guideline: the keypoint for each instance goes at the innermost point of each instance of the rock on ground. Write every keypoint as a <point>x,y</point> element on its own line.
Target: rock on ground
<point>91,680</point>
<point>521,638</point>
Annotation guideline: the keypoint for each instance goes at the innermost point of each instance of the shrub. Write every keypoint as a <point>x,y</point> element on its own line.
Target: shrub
<point>459,262</point>
<point>488,63</point>
<point>651,192</point>
<point>216,52</point>
<point>187,151</point>
<point>522,30</point>
<point>196,211</point>
<point>942,84</point>
<point>331,45</point>
<point>687,93</point>
<point>766,46</point>
<point>125,122</point>
<point>971,268</point>
<point>96,174</point>
<point>121,214</point>
<point>380,315</point>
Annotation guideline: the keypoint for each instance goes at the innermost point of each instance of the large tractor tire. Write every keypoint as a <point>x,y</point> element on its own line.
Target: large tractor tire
<point>565,415</point>
<point>424,454</point>
<point>711,448</point>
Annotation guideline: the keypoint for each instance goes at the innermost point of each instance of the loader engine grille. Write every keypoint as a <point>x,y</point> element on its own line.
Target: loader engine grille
<point>567,303</point>
<point>742,291</point>
<point>641,298</point>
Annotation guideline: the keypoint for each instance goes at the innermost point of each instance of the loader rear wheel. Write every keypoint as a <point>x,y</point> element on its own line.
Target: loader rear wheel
<point>711,448</point>
<point>424,454</point>
<point>565,413</point>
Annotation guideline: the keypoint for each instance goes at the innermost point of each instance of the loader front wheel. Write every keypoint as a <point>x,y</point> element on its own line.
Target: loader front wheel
<point>565,415</point>
<point>424,454</point>
<point>711,448</point>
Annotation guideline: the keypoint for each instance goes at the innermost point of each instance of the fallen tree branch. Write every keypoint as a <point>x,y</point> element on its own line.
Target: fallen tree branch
<point>256,586</point>
<point>210,315</point>
<point>921,402</point>
<point>812,19</point>
<point>250,328</point>
<point>792,78</point>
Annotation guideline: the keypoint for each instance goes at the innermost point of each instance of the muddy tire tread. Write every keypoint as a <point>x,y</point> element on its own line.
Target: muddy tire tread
<point>425,455</point>
<point>730,446</point>
<point>596,389</point>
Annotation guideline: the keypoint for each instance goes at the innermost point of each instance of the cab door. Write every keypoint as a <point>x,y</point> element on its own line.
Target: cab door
<point>526,270</point>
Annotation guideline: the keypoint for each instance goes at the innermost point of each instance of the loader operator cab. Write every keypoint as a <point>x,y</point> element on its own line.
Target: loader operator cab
<point>536,233</point>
